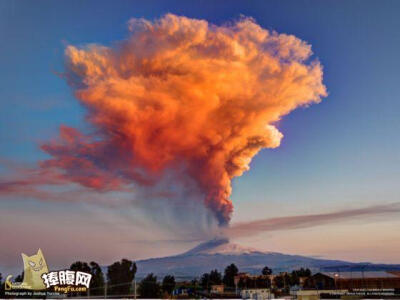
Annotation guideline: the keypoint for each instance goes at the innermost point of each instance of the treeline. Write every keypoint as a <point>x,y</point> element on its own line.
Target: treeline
<point>215,278</point>
<point>281,281</point>
<point>287,280</point>
<point>119,280</point>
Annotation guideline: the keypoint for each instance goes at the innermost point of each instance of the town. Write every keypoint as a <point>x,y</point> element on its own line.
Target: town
<point>120,282</point>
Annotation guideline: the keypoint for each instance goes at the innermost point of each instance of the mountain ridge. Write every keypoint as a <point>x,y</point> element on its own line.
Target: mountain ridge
<point>218,253</point>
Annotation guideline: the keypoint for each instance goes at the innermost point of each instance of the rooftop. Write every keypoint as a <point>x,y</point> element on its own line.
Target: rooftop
<point>367,274</point>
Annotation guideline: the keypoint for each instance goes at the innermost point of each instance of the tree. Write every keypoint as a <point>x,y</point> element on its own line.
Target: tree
<point>120,276</point>
<point>302,272</point>
<point>168,284</point>
<point>286,280</point>
<point>261,282</point>
<point>20,277</point>
<point>282,281</point>
<point>1,286</point>
<point>194,283</point>
<point>252,282</point>
<point>242,283</point>
<point>205,281</point>
<point>279,281</point>
<point>215,277</point>
<point>83,267</point>
<point>296,274</point>
<point>80,266</point>
<point>149,287</point>
<point>230,272</point>
<point>266,271</point>
<point>209,279</point>
<point>97,282</point>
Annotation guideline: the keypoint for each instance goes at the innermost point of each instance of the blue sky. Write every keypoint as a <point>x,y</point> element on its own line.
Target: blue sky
<point>341,153</point>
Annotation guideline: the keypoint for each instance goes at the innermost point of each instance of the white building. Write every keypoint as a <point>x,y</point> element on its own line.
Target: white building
<point>256,294</point>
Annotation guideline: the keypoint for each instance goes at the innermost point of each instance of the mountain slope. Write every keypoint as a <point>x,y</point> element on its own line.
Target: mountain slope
<point>218,253</point>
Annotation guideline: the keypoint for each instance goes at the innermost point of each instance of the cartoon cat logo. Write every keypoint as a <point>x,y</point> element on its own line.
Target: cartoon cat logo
<point>34,267</point>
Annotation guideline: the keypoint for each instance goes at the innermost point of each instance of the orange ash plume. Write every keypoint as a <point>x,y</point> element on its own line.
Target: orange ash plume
<point>184,97</point>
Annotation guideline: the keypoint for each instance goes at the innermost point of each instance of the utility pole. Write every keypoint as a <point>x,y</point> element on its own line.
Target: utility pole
<point>105,290</point>
<point>134,288</point>
<point>363,280</point>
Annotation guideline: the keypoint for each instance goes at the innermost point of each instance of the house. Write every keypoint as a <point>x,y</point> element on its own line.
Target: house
<point>374,280</point>
<point>307,295</point>
<point>247,281</point>
<point>256,294</point>
<point>320,281</point>
<point>182,291</point>
<point>352,284</point>
<point>217,289</point>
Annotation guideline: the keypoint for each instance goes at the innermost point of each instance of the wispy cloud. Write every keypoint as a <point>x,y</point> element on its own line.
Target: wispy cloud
<point>303,221</point>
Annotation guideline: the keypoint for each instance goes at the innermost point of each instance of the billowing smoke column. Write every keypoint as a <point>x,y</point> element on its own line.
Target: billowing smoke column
<point>184,97</point>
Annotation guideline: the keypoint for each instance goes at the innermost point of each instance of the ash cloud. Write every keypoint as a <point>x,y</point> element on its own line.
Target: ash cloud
<point>182,101</point>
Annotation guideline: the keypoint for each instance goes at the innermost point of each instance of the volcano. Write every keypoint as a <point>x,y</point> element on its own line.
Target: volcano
<point>219,253</point>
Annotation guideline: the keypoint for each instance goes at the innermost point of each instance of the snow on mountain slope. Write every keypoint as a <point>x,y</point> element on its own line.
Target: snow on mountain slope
<point>220,246</point>
<point>219,253</point>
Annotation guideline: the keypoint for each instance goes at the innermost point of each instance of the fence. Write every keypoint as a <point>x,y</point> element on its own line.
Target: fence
<point>106,291</point>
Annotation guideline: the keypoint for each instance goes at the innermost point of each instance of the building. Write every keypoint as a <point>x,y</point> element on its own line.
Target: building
<point>319,281</point>
<point>307,295</point>
<point>247,281</point>
<point>256,294</point>
<point>366,280</point>
<point>181,291</point>
<point>344,284</point>
<point>217,289</point>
